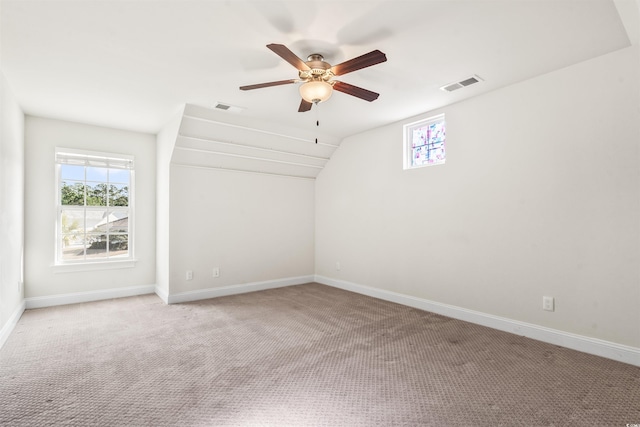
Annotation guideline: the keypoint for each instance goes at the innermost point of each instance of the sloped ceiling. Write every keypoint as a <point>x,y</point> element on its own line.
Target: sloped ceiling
<point>212,139</point>
<point>133,64</point>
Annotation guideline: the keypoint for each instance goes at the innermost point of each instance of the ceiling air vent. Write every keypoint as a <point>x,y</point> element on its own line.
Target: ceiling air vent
<point>462,83</point>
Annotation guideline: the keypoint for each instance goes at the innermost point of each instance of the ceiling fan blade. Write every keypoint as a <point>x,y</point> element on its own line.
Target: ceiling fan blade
<point>283,52</point>
<point>261,85</point>
<point>368,59</point>
<point>356,91</point>
<point>304,106</point>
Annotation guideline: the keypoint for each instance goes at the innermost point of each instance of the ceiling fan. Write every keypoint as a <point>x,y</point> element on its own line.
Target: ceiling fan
<point>316,76</point>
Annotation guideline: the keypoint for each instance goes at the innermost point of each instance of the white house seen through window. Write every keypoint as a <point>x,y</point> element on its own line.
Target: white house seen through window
<point>95,215</point>
<point>424,142</point>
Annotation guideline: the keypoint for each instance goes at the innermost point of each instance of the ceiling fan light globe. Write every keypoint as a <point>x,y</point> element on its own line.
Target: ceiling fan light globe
<point>316,91</point>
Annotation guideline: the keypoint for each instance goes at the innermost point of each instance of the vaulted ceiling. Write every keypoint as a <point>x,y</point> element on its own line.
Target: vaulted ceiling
<point>134,64</point>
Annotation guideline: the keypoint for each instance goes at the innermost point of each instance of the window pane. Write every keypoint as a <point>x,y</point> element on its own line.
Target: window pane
<point>72,172</point>
<point>96,246</point>
<point>436,132</point>
<point>72,247</point>
<point>96,194</point>
<point>118,195</point>
<point>419,137</point>
<point>72,234</point>
<point>72,240</point>
<point>113,222</point>
<point>120,224</point>
<point>419,157</point>
<point>436,142</point>
<point>97,220</point>
<point>118,245</point>
<point>97,174</point>
<point>119,176</point>
<point>72,193</point>
<point>72,221</point>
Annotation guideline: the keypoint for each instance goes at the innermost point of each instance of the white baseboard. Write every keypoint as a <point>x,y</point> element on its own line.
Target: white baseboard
<point>163,294</point>
<point>610,350</point>
<point>78,297</point>
<point>237,289</point>
<point>11,323</point>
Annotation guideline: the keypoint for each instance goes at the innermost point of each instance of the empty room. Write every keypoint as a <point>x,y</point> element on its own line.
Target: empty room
<point>320,213</point>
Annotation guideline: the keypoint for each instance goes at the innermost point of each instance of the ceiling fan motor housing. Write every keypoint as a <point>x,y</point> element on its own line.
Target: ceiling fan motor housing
<point>319,69</point>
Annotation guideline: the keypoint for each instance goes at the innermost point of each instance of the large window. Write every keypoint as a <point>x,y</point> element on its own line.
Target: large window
<point>94,207</point>
<point>424,142</point>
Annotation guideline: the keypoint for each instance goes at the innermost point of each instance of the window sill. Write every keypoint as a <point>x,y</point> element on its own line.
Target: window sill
<point>94,266</point>
<point>407,168</point>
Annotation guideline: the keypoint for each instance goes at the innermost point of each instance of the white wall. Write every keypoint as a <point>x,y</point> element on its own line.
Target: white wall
<point>539,196</point>
<point>42,136</point>
<point>249,213</point>
<point>11,206</point>
<point>254,227</point>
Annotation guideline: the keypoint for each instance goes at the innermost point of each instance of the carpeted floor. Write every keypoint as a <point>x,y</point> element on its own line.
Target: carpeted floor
<point>307,355</point>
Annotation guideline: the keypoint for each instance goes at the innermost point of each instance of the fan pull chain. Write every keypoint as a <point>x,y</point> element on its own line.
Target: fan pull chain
<point>317,119</point>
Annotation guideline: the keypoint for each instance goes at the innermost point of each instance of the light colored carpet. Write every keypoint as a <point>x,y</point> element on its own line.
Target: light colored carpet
<point>307,355</point>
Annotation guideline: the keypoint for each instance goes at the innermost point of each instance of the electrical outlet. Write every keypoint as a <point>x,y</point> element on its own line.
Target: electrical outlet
<point>548,303</point>
<point>216,272</point>
<point>189,275</point>
<point>338,266</point>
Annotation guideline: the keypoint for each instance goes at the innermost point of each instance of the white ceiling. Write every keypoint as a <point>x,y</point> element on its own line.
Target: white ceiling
<point>133,64</point>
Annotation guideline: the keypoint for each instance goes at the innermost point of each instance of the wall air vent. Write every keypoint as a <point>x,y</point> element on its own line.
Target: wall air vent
<point>462,83</point>
<point>226,107</point>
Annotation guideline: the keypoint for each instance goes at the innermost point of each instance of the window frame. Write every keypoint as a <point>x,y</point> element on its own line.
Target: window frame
<point>408,130</point>
<point>62,265</point>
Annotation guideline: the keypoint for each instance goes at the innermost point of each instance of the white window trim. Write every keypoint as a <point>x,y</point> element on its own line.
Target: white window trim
<point>407,151</point>
<point>61,266</point>
<point>93,266</point>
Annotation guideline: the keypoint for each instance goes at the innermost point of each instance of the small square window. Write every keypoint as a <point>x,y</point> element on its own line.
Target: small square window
<point>424,142</point>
